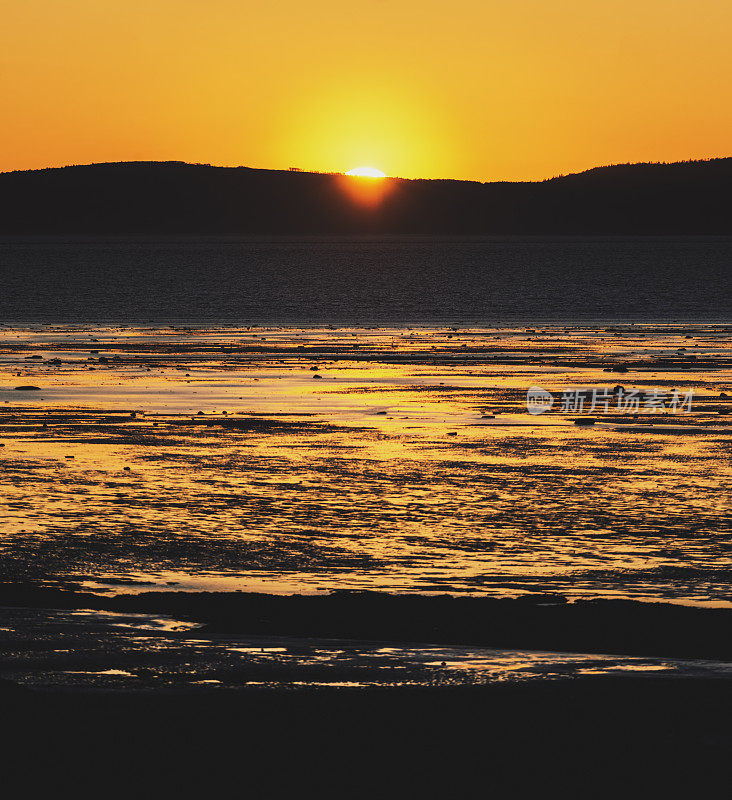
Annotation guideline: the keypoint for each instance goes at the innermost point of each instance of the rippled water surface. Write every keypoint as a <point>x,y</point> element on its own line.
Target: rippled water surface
<point>300,459</point>
<point>365,279</point>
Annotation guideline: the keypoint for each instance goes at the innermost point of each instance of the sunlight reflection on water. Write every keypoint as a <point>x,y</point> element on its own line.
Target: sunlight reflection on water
<point>123,651</point>
<point>111,476</point>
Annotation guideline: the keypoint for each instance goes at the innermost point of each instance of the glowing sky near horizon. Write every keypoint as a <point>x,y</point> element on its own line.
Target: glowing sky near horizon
<point>479,89</point>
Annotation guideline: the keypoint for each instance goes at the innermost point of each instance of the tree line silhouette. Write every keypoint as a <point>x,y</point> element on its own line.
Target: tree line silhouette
<point>136,198</point>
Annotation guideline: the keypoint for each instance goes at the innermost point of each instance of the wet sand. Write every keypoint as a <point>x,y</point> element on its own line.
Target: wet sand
<point>176,641</point>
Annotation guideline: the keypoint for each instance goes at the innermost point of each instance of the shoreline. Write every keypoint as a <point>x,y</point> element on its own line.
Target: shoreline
<point>541,622</point>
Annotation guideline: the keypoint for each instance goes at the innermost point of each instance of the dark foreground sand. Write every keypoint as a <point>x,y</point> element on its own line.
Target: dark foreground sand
<point>635,735</point>
<point>627,737</point>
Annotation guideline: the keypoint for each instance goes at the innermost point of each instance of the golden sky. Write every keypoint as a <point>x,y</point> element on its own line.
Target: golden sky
<point>479,89</point>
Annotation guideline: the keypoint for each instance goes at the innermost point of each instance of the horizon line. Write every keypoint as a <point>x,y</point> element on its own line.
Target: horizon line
<point>300,171</point>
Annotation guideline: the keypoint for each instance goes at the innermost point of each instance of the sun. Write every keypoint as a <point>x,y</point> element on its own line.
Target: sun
<point>366,172</point>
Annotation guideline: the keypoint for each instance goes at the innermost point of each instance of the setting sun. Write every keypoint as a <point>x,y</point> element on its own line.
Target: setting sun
<point>366,172</point>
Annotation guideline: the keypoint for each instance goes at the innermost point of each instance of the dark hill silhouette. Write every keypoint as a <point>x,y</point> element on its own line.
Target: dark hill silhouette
<point>129,198</point>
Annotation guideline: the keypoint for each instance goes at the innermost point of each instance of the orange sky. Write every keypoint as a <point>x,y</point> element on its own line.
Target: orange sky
<point>479,89</point>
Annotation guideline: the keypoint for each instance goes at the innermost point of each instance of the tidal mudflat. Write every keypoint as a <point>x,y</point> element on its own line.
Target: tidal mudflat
<point>298,461</point>
<point>301,460</point>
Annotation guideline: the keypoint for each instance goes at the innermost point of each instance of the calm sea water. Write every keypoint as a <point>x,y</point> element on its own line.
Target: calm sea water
<point>365,280</point>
